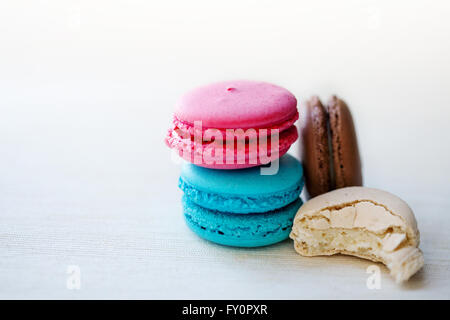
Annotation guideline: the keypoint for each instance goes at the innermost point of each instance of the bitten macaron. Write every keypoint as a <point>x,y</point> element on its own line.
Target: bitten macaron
<point>329,146</point>
<point>214,113</point>
<point>364,222</point>
<point>242,207</point>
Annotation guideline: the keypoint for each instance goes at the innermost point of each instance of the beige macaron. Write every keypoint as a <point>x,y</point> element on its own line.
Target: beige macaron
<point>363,222</point>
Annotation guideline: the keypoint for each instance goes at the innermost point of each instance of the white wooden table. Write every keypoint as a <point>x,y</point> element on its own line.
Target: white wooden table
<point>76,195</point>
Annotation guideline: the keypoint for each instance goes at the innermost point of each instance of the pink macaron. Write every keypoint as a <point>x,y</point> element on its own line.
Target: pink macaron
<point>234,124</point>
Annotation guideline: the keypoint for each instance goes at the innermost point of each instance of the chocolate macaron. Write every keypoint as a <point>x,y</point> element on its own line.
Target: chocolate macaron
<point>330,154</point>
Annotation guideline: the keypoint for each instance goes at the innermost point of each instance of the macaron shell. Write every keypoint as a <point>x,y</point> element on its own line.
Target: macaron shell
<point>237,104</point>
<point>286,139</point>
<point>253,230</point>
<point>244,182</point>
<point>315,147</point>
<point>350,195</point>
<point>245,165</point>
<point>346,159</point>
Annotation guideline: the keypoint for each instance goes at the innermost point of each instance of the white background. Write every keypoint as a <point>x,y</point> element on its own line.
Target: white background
<point>87,90</point>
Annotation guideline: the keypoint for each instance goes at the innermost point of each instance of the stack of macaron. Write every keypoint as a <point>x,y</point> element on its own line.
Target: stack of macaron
<point>240,187</point>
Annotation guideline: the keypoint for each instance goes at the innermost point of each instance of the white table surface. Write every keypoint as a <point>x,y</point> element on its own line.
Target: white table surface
<point>87,90</point>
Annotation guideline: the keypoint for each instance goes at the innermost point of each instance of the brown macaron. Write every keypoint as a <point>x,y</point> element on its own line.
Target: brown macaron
<point>329,152</point>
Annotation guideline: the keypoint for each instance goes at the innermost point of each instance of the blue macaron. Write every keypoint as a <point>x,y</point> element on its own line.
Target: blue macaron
<point>242,207</point>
